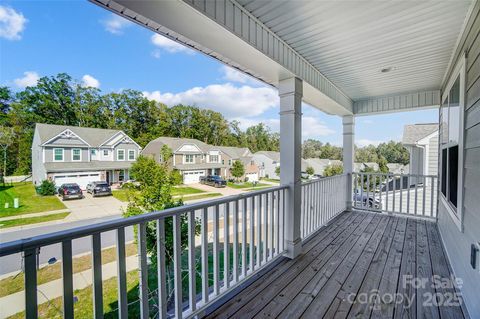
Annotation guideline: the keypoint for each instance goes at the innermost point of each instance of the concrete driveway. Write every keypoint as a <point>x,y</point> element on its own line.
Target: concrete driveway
<point>93,207</point>
<point>225,191</point>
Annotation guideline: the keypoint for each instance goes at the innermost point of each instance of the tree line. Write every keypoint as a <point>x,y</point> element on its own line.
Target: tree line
<point>62,100</point>
<point>390,152</point>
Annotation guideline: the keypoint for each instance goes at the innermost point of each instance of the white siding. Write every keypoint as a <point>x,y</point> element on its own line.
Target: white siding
<point>433,156</point>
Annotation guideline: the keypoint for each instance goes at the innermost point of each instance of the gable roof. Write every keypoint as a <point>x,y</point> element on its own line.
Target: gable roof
<point>174,143</point>
<point>414,132</point>
<point>235,152</point>
<point>93,136</point>
<point>275,156</point>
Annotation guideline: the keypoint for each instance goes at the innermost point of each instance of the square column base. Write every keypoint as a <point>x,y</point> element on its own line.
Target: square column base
<point>293,248</point>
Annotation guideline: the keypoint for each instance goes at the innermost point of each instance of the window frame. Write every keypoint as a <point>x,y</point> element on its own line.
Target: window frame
<point>456,213</point>
<point>131,151</point>
<point>103,153</point>
<point>63,154</point>
<point>188,162</point>
<point>118,151</point>
<point>215,156</point>
<point>72,155</point>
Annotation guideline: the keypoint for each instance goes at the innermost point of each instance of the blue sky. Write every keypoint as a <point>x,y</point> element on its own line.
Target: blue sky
<point>43,38</point>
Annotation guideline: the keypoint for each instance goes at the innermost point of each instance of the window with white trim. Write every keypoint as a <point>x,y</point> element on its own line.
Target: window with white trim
<point>120,155</point>
<point>131,155</point>
<point>58,154</point>
<point>76,154</point>
<point>213,158</point>
<point>105,153</point>
<point>451,143</point>
<point>188,159</point>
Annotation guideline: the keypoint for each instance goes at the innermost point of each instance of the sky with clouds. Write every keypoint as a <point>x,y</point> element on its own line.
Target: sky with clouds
<point>105,51</point>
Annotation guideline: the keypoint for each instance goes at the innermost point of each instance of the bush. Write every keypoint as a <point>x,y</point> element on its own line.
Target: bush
<point>176,177</point>
<point>47,188</point>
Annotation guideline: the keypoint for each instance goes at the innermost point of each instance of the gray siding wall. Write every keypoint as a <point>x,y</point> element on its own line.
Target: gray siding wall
<point>269,167</point>
<point>458,243</point>
<point>38,170</point>
<point>433,156</point>
<point>126,147</point>
<point>67,154</point>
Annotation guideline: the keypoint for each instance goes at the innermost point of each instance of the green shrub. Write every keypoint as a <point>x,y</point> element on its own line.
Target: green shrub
<point>47,188</point>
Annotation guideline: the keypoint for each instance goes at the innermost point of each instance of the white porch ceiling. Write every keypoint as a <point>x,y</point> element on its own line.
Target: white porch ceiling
<point>351,41</point>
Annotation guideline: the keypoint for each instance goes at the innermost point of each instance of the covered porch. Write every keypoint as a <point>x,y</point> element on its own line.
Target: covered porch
<point>315,249</point>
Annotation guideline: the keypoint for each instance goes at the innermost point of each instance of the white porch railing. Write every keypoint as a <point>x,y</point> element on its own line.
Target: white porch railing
<point>414,195</point>
<point>219,244</point>
<point>322,200</point>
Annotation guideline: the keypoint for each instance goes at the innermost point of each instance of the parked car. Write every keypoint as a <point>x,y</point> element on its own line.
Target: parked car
<point>213,180</point>
<point>369,200</point>
<point>69,191</point>
<point>99,188</point>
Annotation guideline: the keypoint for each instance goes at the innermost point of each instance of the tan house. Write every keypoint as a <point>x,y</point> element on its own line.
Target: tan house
<point>243,154</point>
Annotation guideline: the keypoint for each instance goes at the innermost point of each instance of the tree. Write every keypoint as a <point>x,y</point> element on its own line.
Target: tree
<point>6,139</point>
<point>277,170</point>
<point>382,164</point>
<point>334,169</point>
<point>394,152</point>
<point>238,169</point>
<point>176,177</point>
<point>310,170</point>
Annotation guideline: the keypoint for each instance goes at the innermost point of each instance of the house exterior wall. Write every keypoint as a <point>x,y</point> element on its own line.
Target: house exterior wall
<point>126,147</point>
<point>38,170</point>
<point>266,166</point>
<point>433,156</point>
<point>67,154</point>
<point>456,242</point>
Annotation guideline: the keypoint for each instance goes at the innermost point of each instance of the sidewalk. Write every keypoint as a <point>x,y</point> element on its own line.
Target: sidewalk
<point>14,303</point>
<point>51,212</point>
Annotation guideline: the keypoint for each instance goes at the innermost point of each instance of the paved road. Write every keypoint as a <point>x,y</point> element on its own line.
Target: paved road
<point>82,245</point>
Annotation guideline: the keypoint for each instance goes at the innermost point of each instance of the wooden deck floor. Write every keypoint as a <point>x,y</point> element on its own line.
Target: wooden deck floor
<point>357,257</point>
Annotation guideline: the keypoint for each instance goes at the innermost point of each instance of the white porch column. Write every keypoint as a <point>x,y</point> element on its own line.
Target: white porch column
<point>348,154</point>
<point>290,91</point>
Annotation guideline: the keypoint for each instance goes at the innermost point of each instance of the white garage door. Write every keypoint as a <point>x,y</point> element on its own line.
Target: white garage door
<point>190,177</point>
<point>82,179</point>
<point>252,177</point>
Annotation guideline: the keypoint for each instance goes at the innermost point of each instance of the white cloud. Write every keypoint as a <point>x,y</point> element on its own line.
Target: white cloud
<point>365,142</point>
<point>233,75</point>
<point>29,78</point>
<point>169,45</point>
<point>232,101</point>
<point>115,24</point>
<point>12,23</point>
<point>90,81</point>
<point>312,127</point>
<point>156,54</point>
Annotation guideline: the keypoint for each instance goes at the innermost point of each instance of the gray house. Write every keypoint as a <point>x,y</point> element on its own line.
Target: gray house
<point>191,157</point>
<point>71,154</point>
<point>267,162</point>
<point>421,141</point>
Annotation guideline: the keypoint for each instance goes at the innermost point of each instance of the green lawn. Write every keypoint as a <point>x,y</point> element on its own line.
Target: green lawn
<point>30,202</point>
<point>246,185</point>
<point>32,220</point>
<point>271,180</point>
<point>201,196</point>
<point>124,194</point>
<point>185,190</point>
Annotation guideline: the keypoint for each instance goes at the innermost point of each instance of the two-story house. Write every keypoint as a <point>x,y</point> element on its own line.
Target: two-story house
<point>244,155</point>
<point>70,154</point>
<point>191,157</point>
<point>268,161</point>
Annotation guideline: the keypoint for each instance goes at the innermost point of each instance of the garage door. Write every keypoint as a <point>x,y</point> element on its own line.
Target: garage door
<point>252,177</point>
<point>190,177</point>
<point>82,179</point>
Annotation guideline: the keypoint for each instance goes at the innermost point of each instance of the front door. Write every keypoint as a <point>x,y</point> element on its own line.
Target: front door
<point>107,175</point>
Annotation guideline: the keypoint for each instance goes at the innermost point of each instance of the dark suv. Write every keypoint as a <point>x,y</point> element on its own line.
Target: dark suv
<point>69,191</point>
<point>213,180</point>
<point>99,188</point>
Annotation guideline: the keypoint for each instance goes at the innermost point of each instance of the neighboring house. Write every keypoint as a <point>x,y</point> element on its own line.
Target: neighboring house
<point>244,155</point>
<point>267,162</point>
<point>358,167</point>
<point>71,154</point>
<point>319,164</point>
<point>421,141</point>
<point>191,157</point>
<point>397,168</point>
